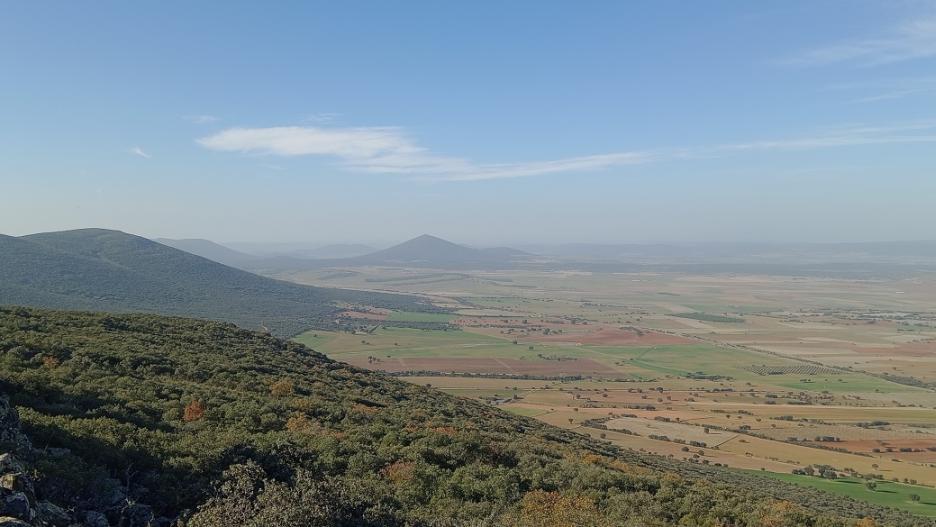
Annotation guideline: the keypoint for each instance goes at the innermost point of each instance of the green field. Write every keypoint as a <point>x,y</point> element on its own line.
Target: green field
<point>886,493</point>
<point>405,342</point>
<point>708,317</point>
<point>842,383</point>
<point>315,339</point>
<point>639,362</point>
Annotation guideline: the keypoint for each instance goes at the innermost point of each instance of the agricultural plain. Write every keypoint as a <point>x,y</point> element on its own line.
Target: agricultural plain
<point>822,381</point>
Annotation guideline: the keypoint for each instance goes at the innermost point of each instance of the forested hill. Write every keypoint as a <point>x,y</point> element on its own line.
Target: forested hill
<point>143,418</point>
<point>107,270</point>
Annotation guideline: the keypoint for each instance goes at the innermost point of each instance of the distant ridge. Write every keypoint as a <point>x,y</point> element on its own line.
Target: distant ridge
<point>335,250</point>
<point>210,250</point>
<point>423,251</point>
<point>428,251</point>
<point>300,249</point>
<point>98,269</point>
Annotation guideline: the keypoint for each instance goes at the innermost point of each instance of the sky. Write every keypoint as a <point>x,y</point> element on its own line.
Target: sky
<point>481,122</point>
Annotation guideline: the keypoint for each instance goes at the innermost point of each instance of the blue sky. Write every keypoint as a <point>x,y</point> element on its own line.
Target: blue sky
<point>483,122</point>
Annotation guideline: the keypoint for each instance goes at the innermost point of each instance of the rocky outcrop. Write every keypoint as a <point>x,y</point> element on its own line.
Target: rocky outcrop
<point>10,434</point>
<point>17,492</point>
<point>21,500</point>
<point>6,521</point>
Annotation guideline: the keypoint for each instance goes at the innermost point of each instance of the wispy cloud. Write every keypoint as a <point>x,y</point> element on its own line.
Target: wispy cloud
<point>915,39</point>
<point>201,119</point>
<point>389,150</point>
<point>322,118</point>
<point>908,133</point>
<point>137,151</point>
<point>886,89</point>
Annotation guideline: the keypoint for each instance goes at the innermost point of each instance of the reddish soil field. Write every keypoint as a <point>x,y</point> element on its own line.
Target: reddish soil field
<point>494,365</point>
<point>611,337</point>
<point>866,445</point>
<point>510,322</point>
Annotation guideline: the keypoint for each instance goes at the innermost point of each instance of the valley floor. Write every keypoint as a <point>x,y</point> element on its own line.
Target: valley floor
<point>760,373</point>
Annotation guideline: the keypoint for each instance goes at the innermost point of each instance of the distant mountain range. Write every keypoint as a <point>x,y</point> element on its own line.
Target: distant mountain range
<point>298,250</point>
<point>212,251</point>
<point>431,251</point>
<point>422,251</point>
<point>335,250</point>
<point>844,260</point>
<point>108,270</point>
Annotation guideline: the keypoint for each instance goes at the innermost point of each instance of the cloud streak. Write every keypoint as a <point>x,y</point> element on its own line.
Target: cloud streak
<point>201,119</point>
<point>388,150</point>
<point>137,151</point>
<point>893,89</point>
<point>912,40</point>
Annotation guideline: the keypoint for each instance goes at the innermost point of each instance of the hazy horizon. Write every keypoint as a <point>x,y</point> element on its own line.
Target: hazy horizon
<point>376,244</point>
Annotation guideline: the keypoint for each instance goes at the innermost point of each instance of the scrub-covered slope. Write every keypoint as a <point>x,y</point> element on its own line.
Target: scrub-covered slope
<point>136,417</point>
<point>107,270</point>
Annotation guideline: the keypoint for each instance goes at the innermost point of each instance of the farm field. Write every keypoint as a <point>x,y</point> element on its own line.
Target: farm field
<point>757,373</point>
<point>884,493</point>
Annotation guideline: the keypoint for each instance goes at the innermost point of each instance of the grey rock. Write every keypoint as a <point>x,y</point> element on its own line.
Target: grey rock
<point>8,463</point>
<point>96,519</point>
<point>115,494</point>
<point>17,506</point>
<point>6,521</point>
<point>51,514</point>
<point>10,425</point>
<point>138,515</point>
<point>17,482</point>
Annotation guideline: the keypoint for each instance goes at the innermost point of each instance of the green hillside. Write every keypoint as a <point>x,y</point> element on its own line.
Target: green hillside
<point>113,271</point>
<point>137,417</point>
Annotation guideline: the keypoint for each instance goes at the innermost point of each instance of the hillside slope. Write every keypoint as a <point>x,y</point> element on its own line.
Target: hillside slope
<point>172,415</point>
<point>114,271</point>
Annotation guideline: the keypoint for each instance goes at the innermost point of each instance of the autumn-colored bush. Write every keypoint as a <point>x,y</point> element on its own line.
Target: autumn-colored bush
<point>300,423</point>
<point>50,362</point>
<point>399,472</point>
<point>449,431</point>
<point>554,509</point>
<point>282,388</point>
<point>363,409</point>
<point>194,411</point>
<point>781,513</point>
